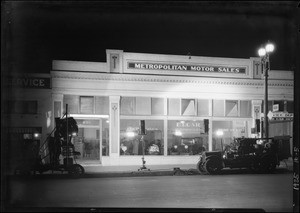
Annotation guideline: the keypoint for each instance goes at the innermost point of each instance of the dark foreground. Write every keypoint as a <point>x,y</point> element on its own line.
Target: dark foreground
<point>268,192</point>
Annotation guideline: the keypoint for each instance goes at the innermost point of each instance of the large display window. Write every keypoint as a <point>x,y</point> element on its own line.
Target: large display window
<point>232,108</point>
<point>86,104</point>
<point>186,137</point>
<point>224,132</point>
<point>132,143</point>
<point>142,106</point>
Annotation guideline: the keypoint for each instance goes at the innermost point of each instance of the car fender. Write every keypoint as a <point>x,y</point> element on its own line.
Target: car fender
<point>217,159</point>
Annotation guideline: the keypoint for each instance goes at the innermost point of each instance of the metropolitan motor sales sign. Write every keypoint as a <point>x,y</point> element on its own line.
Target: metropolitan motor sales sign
<point>186,67</point>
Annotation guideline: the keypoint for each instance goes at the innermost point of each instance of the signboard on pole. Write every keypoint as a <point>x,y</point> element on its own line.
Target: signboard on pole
<point>279,116</point>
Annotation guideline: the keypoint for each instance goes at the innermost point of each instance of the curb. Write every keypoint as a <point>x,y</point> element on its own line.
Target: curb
<point>282,169</point>
<point>179,172</point>
<point>128,174</point>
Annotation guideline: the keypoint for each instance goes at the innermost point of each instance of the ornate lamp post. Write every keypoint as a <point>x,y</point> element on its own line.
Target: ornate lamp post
<point>264,54</point>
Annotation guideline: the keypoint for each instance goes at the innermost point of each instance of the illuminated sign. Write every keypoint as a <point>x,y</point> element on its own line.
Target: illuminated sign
<point>185,67</point>
<point>88,122</point>
<point>279,116</point>
<point>133,129</point>
<point>30,82</point>
<point>187,124</point>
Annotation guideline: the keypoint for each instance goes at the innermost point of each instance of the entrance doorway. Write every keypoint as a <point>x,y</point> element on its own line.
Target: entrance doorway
<point>92,140</point>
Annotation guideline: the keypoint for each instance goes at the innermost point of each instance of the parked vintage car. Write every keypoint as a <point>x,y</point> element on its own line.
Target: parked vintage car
<point>257,154</point>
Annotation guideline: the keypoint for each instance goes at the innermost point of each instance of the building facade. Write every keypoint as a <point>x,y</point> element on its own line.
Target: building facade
<point>184,101</point>
<point>26,114</point>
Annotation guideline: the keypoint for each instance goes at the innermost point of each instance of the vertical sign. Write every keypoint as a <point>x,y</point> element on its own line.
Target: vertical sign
<point>275,107</point>
<point>142,127</point>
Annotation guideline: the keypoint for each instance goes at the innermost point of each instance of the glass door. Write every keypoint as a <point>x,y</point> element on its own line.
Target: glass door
<point>87,141</point>
<point>92,140</point>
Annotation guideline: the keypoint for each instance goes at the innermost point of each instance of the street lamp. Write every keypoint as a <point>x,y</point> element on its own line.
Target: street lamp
<point>264,54</point>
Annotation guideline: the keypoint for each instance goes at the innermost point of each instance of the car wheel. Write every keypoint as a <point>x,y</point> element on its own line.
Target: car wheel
<point>76,170</point>
<point>212,166</point>
<point>200,167</point>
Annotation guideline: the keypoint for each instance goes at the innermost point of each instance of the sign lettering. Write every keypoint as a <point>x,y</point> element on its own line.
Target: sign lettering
<point>184,67</point>
<point>279,116</point>
<point>88,122</point>
<point>29,82</point>
<point>189,124</point>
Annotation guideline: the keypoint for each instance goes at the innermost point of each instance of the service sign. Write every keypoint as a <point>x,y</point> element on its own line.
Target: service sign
<point>30,82</point>
<point>187,67</point>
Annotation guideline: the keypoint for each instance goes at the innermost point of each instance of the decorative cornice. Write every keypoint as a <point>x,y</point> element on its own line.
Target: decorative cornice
<point>168,79</point>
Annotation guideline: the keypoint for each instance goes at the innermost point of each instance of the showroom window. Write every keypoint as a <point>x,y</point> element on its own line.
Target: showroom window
<point>230,129</point>
<point>157,106</point>
<point>73,103</point>
<point>102,105</point>
<point>232,109</point>
<point>142,106</point>
<point>203,107</point>
<point>128,105</point>
<point>87,105</point>
<point>186,137</point>
<point>245,110</point>
<point>131,142</point>
<point>174,106</point>
<point>188,107</point>
<point>218,108</point>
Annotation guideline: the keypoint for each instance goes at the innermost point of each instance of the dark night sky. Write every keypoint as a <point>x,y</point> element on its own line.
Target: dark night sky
<point>35,33</point>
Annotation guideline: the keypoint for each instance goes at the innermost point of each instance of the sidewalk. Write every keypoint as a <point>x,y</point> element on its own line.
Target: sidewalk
<point>134,170</point>
<point>156,170</point>
<point>98,170</point>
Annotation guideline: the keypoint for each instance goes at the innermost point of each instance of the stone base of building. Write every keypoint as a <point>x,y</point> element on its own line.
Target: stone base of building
<point>150,160</point>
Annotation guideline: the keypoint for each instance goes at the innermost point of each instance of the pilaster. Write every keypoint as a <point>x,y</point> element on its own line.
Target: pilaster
<point>114,129</point>
<point>256,114</point>
<point>114,60</point>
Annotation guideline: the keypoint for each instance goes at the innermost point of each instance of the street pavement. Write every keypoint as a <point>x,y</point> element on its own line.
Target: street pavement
<point>267,191</point>
<point>213,193</point>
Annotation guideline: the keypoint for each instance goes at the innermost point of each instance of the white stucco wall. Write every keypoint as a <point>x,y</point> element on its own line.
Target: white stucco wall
<point>100,79</point>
